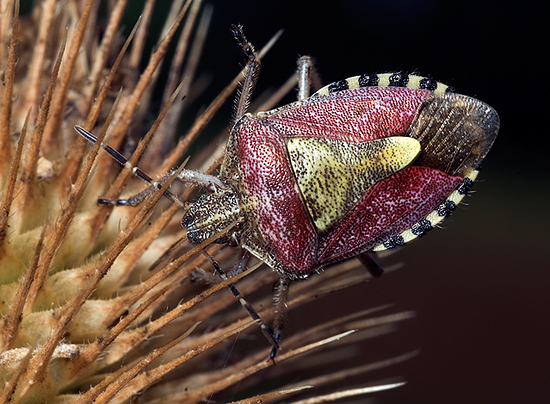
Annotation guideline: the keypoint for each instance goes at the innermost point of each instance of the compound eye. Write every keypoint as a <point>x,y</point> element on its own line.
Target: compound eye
<point>211,189</point>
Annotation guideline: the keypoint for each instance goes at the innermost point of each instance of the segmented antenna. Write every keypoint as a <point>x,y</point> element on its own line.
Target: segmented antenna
<point>136,199</point>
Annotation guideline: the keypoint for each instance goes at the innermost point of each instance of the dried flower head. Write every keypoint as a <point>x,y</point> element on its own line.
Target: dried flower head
<point>96,303</point>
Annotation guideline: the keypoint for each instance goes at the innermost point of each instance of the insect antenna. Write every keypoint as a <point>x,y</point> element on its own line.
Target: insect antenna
<point>188,176</point>
<point>239,267</point>
<point>140,197</point>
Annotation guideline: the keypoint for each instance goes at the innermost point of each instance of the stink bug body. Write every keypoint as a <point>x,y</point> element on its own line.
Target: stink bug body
<point>359,166</point>
<point>364,164</point>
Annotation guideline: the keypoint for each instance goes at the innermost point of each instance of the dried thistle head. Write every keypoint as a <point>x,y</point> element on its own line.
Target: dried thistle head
<point>93,309</point>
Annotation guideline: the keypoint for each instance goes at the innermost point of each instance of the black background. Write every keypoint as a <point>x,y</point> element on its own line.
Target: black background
<point>479,286</point>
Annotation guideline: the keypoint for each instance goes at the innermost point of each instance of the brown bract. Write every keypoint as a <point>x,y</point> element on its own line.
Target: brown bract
<point>93,309</point>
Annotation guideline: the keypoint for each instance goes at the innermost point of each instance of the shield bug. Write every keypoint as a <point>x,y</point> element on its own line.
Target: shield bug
<point>364,164</point>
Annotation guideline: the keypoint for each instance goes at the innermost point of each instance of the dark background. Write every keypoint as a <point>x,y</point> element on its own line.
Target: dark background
<point>479,286</point>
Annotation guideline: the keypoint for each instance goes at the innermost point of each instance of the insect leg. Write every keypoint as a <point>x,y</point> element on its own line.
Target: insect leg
<point>240,266</point>
<point>251,73</point>
<point>212,279</point>
<point>370,261</point>
<point>281,297</point>
<point>308,77</point>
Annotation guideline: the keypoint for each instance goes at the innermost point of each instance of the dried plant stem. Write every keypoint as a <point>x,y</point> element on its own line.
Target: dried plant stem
<point>5,110</point>
<point>52,127</point>
<point>100,60</point>
<point>98,304</point>
<point>33,90</point>
<point>28,176</point>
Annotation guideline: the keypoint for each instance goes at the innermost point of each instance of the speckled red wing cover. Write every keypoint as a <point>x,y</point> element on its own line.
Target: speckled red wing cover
<point>389,207</point>
<point>356,115</point>
<point>280,213</point>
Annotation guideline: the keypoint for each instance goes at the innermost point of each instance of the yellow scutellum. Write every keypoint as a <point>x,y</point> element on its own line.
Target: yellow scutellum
<point>92,308</point>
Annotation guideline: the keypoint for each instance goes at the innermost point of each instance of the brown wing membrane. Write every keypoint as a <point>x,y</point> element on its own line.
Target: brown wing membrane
<point>455,131</point>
